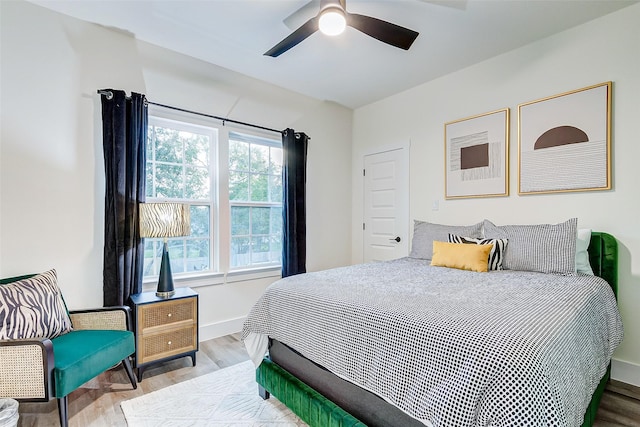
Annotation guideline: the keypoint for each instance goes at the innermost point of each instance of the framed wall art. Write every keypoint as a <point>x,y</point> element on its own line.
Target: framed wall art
<point>564,142</point>
<point>476,156</point>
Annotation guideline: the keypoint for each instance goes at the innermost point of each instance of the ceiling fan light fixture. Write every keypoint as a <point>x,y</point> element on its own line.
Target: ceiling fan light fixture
<point>333,18</point>
<point>332,21</point>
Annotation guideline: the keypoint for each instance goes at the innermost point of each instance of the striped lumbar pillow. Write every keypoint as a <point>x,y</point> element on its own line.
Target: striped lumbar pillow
<point>495,256</point>
<point>33,308</point>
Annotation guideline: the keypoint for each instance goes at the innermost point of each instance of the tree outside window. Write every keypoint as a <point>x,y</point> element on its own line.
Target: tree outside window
<point>179,169</point>
<point>255,198</point>
<point>183,166</point>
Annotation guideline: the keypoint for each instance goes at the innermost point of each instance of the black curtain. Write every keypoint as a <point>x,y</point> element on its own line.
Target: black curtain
<point>294,178</point>
<point>124,132</point>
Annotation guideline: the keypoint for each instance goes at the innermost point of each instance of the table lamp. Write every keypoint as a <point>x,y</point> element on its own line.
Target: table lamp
<point>164,220</point>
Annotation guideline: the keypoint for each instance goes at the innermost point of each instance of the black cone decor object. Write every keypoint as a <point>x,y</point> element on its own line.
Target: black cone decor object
<point>165,281</point>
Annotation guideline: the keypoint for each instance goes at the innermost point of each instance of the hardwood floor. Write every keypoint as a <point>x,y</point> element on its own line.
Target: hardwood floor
<point>620,406</point>
<point>97,403</point>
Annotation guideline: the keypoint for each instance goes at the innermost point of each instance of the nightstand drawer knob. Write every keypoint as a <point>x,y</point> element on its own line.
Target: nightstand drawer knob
<point>169,315</point>
<point>169,343</point>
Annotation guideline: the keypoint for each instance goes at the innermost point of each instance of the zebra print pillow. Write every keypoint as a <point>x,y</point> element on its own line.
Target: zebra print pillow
<point>33,308</point>
<point>495,256</point>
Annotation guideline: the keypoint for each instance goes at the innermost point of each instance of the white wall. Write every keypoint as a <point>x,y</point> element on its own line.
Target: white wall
<point>52,173</point>
<point>52,168</point>
<point>607,49</point>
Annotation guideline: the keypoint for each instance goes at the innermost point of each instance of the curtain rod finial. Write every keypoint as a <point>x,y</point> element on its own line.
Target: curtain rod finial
<point>107,93</point>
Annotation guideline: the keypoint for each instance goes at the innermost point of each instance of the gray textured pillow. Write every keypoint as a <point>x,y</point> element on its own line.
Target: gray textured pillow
<point>424,233</point>
<point>546,248</point>
<point>33,308</point>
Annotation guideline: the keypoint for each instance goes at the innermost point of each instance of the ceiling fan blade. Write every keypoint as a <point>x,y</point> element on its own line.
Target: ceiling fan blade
<point>305,30</point>
<point>384,31</point>
<point>300,16</point>
<point>455,4</point>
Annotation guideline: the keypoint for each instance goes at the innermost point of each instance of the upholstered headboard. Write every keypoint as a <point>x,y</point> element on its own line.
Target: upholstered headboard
<point>603,257</point>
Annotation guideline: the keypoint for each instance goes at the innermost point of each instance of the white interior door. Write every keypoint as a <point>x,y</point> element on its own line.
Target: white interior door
<point>386,205</point>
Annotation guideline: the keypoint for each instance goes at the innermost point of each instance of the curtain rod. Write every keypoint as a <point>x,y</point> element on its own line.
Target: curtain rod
<point>109,95</point>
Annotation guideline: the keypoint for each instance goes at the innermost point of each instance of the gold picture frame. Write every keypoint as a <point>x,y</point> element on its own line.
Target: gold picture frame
<point>476,156</point>
<point>564,142</point>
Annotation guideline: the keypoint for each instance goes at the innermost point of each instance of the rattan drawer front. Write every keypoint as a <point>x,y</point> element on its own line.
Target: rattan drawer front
<point>165,313</point>
<point>166,327</point>
<point>170,343</point>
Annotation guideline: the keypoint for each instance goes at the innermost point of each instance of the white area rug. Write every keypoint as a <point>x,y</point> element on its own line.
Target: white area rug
<point>228,397</point>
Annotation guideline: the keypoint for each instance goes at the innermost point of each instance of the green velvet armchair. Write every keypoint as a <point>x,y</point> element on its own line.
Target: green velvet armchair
<point>38,369</point>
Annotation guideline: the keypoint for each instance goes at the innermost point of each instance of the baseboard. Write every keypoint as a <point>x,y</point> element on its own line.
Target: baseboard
<point>220,329</point>
<point>625,372</point>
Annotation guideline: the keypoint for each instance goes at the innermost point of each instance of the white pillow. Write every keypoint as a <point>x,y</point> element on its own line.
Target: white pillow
<point>582,256</point>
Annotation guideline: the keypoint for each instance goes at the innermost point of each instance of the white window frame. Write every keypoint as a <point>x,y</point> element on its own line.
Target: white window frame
<point>220,206</point>
<point>268,142</point>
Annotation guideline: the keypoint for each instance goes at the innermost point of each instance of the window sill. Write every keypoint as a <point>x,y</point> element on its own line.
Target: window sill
<point>254,273</point>
<point>191,281</point>
<point>209,279</point>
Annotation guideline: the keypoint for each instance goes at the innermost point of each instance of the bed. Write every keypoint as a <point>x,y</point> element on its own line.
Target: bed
<point>336,362</point>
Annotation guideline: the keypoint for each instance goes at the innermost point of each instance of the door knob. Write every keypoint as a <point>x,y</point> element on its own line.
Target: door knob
<point>397,239</point>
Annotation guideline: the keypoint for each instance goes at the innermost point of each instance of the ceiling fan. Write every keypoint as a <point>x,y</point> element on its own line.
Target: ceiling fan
<point>332,19</point>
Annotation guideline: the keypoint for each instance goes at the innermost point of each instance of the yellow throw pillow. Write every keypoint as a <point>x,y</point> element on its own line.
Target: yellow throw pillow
<point>461,256</point>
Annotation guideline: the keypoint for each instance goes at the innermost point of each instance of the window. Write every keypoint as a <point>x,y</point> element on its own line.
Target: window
<point>183,166</point>
<point>255,198</point>
<point>179,169</point>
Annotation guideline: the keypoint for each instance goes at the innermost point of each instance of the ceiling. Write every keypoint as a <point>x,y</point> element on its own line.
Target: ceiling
<point>352,69</point>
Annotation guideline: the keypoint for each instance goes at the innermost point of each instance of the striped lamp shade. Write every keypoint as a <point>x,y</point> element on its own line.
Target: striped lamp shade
<point>164,220</point>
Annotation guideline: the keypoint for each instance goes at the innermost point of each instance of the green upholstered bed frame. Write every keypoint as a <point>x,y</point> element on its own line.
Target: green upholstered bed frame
<point>318,411</point>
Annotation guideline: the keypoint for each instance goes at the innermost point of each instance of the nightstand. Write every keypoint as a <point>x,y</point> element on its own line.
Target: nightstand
<point>165,328</point>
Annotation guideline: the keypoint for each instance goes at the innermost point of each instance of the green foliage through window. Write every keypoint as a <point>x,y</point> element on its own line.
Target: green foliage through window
<point>178,163</point>
<point>182,167</point>
<point>178,169</point>
<point>255,196</point>
<point>255,170</point>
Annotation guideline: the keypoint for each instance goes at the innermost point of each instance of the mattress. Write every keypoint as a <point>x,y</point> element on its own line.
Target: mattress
<point>450,347</point>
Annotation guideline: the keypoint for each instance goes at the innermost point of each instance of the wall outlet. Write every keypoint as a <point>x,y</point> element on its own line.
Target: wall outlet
<point>435,205</point>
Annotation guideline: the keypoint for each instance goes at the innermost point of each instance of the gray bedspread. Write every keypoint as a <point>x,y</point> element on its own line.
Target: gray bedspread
<point>450,347</point>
